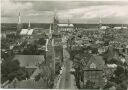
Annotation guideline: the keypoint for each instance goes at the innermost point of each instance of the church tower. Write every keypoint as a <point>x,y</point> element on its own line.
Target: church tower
<point>19,26</point>
<point>100,22</point>
<point>29,25</point>
<point>55,21</point>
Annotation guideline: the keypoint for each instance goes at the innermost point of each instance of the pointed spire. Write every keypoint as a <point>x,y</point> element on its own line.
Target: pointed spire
<point>19,23</point>
<point>29,26</point>
<point>19,19</point>
<point>55,19</point>
<point>100,22</point>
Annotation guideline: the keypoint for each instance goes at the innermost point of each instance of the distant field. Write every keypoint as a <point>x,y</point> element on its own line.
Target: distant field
<point>13,26</point>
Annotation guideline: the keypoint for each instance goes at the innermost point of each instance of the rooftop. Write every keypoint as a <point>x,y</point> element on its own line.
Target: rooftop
<point>31,61</point>
<point>26,32</point>
<point>65,25</point>
<point>97,60</point>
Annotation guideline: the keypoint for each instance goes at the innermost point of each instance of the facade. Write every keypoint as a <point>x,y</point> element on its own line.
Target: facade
<point>65,27</point>
<point>27,31</point>
<point>27,84</point>
<point>93,71</point>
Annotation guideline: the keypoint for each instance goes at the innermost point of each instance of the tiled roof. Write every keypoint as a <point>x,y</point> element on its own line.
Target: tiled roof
<point>29,84</point>
<point>29,60</point>
<point>45,72</point>
<point>97,60</point>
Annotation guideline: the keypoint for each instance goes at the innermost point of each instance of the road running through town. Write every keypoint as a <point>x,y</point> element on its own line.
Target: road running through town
<point>66,79</point>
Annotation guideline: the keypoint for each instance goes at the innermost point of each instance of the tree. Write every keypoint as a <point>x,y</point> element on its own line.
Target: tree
<point>38,77</point>
<point>31,50</point>
<point>41,41</point>
<point>57,68</point>
<point>11,69</point>
<point>109,84</point>
<point>120,75</point>
<point>119,71</point>
<point>122,86</point>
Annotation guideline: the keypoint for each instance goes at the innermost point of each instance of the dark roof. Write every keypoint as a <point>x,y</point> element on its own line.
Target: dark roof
<point>29,61</point>
<point>112,53</point>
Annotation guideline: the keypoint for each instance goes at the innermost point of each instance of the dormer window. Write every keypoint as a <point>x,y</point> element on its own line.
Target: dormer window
<point>93,65</point>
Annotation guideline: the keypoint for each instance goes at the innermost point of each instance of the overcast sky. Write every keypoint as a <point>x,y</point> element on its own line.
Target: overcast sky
<point>76,11</point>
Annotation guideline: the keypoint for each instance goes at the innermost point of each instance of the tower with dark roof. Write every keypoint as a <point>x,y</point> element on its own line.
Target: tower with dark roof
<point>19,26</point>
<point>55,21</point>
<point>100,22</point>
<point>29,25</point>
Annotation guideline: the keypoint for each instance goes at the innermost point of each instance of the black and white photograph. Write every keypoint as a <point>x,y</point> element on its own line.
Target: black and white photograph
<point>64,44</point>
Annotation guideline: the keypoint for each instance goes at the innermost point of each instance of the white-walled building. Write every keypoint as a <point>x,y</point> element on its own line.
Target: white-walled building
<point>65,27</point>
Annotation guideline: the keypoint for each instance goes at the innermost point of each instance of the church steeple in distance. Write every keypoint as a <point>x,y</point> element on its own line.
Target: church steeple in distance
<point>19,19</point>
<point>29,25</point>
<point>19,23</point>
<point>55,21</point>
<point>100,22</point>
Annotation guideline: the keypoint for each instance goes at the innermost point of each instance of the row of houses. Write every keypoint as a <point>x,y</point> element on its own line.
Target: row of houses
<point>95,69</point>
<point>39,64</point>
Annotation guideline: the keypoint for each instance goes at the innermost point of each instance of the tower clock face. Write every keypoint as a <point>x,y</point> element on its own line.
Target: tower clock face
<point>93,65</point>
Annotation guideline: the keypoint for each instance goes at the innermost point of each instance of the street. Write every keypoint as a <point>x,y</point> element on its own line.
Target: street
<point>67,80</point>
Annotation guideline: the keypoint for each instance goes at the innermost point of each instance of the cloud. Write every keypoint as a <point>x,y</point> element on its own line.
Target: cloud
<point>10,8</point>
<point>90,12</point>
<point>42,11</point>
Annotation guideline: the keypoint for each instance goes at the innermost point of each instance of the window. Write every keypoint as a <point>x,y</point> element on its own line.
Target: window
<point>93,65</point>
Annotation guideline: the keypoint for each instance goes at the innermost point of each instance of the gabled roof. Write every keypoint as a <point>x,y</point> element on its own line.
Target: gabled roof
<point>23,31</point>
<point>29,84</point>
<point>29,60</point>
<point>26,31</point>
<point>97,60</point>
